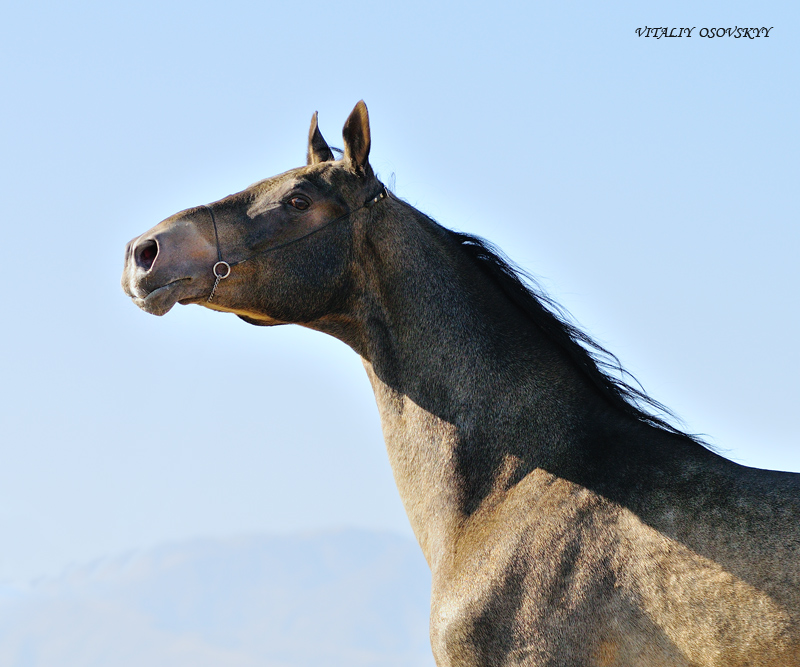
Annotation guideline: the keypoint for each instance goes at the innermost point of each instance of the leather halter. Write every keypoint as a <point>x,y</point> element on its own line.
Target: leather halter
<point>222,269</point>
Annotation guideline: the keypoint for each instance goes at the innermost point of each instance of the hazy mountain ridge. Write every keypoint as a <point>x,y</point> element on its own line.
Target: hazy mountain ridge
<point>345,598</point>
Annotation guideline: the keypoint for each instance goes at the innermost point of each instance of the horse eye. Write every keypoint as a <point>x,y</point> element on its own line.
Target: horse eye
<point>300,203</point>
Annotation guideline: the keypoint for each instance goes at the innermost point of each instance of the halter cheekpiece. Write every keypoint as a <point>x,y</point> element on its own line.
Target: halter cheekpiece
<point>222,269</point>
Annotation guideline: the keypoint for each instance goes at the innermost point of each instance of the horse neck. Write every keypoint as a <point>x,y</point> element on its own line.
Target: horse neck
<point>472,396</point>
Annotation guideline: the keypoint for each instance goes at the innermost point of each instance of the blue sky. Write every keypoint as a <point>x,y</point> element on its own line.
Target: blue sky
<point>651,184</point>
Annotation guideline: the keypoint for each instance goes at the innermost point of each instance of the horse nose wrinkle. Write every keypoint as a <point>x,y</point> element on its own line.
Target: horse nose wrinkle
<point>145,254</point>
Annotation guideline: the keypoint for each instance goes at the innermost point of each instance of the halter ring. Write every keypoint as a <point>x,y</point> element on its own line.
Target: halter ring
<point>218,273</point>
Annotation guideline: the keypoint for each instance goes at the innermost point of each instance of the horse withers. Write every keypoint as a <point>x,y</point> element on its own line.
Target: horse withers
<point>564,524</point>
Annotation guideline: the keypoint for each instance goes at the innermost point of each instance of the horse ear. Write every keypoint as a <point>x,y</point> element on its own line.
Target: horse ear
<point>357,138</point>
<point>318,149</point>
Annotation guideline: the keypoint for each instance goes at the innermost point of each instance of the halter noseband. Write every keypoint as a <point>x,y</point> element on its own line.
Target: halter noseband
<point>222,269</point>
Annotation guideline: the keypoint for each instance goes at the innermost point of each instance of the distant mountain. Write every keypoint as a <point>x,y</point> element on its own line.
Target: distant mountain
<point>348,598</point>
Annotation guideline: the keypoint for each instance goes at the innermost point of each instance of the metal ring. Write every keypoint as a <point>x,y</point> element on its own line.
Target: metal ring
<point>226,268</point>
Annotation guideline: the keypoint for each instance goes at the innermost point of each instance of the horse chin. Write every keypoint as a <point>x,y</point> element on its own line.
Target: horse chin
<point>160,301</point>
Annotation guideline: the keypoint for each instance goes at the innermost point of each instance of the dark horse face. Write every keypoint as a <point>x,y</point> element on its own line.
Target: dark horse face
<point>288,241</point>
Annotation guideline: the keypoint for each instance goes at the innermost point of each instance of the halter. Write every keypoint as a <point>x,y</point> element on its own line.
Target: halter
<point>222,269</point>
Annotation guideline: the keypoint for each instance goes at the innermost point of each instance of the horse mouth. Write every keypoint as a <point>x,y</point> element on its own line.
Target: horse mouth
<point>161,300</point>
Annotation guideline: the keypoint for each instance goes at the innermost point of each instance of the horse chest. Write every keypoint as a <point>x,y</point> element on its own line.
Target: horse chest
<point>527,595</point>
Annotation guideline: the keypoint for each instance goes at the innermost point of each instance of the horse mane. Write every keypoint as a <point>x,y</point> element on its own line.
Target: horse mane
<point>597,363</point>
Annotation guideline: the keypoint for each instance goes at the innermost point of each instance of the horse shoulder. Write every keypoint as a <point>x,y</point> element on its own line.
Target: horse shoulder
<point>555,573</point>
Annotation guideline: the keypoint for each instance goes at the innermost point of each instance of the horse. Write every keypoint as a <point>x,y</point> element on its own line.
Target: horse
<point>565,522</point>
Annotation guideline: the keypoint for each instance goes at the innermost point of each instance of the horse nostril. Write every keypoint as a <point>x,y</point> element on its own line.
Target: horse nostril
<point>146,254</point>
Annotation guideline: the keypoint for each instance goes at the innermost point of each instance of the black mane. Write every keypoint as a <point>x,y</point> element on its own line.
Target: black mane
<point>591,358</point>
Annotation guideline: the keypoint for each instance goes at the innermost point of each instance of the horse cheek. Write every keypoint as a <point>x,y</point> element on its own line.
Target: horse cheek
<point>307,286</point>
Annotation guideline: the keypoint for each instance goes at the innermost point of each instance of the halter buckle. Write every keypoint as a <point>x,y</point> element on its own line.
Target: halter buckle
<point>381,195</point>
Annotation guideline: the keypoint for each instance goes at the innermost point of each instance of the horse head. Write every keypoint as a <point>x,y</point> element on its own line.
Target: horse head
<point>279,251</point>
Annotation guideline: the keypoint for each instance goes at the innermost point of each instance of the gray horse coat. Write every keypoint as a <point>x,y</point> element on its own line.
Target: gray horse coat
<point>563,525</point>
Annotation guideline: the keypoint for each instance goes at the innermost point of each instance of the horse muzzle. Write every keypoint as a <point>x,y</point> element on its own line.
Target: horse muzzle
<point>169,264</point>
